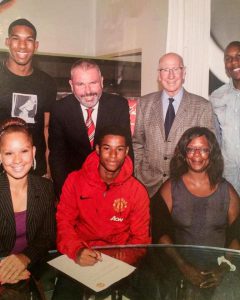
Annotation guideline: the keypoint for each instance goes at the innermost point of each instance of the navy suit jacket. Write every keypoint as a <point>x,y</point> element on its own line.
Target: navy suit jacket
<point>68,139</point>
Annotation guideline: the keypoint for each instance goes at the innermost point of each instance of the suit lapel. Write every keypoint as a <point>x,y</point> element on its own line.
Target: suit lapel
<point>157,114</point>
<point>181,113</point>
<point>78,119</point>
<point>6,202</point>
<point>102,113</point>
<point>33,195</point>
<point>78,116</point>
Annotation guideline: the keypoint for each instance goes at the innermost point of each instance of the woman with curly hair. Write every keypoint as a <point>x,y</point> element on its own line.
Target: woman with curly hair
<point>201,206</point>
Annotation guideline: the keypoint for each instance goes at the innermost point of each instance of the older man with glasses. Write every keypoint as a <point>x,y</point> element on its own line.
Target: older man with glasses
<point>161,119</point>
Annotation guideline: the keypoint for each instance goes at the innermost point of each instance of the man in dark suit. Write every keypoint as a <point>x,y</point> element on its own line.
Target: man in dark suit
<point>77,119</point>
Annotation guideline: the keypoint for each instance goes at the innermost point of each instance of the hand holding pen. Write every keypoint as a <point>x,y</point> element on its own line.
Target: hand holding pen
<point>88,257</point>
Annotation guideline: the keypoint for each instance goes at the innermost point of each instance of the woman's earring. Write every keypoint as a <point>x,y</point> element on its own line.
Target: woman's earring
<point>34,164</point>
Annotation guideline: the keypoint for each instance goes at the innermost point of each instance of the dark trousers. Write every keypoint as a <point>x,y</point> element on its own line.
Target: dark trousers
<point>67,288</point>
<point>23,290</point>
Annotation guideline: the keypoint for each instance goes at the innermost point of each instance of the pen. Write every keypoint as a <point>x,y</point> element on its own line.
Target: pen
<point>98,254</point>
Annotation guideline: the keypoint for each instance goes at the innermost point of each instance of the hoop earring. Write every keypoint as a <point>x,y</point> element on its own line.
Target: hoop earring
<point>34,164</point>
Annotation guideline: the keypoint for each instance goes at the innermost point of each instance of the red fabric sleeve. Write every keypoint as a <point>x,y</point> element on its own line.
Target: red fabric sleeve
<point>68,241</point>
<point>140,218</point>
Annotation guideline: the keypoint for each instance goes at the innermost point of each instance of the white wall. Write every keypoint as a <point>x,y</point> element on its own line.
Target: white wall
<point>64,27</point>
<point>189,35</point>
<point>124,26</point>
<point>97,27</point>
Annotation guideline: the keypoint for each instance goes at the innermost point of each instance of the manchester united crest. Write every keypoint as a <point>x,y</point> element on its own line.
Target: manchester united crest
<point>119,205</point>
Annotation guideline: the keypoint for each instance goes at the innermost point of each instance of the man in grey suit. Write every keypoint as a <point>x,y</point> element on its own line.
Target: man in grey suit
<point>162,117</point>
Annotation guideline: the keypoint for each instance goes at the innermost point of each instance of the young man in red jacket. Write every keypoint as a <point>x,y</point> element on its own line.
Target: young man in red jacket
<point>102,204</point>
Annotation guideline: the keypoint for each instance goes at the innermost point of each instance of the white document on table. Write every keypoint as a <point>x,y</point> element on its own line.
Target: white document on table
<point>97,277</point>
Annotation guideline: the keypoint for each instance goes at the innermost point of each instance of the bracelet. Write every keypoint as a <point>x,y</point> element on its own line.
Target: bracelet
<point>222,259</point>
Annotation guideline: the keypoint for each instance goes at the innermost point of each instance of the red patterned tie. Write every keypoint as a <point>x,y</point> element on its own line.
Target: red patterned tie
<point>90,126</point>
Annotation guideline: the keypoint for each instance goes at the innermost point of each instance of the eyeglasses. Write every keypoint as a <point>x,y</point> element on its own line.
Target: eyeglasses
<point>230,59</point>
<point>166,71</point>
<point>203,151</point>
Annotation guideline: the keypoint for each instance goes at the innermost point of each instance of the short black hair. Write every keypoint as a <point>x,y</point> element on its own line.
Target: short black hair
<point>233,44</point>
<point>22,22</point>
<point>112,130</point>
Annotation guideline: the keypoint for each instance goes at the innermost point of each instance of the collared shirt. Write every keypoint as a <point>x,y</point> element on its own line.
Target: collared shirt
<point>94,113</point>
<point>177,100</point>
<point>226,106</point>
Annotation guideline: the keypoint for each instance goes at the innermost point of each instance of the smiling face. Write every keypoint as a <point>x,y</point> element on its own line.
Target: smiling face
<point>112,153</point>
<point>16,154</point>
<point>171,73</point>
<point>22,45</point>
<point>86,85</point>
<point>197,154</point>
<point>232,63</point>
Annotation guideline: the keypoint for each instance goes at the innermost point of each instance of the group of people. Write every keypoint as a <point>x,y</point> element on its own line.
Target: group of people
<point>84,144</point>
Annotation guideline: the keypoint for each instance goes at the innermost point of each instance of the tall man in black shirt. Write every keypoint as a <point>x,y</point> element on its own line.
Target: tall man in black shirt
<point>25,91</point>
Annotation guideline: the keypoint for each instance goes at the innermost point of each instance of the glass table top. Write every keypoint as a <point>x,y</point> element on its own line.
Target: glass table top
<point>163,272</point>
<point>175,272</point>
